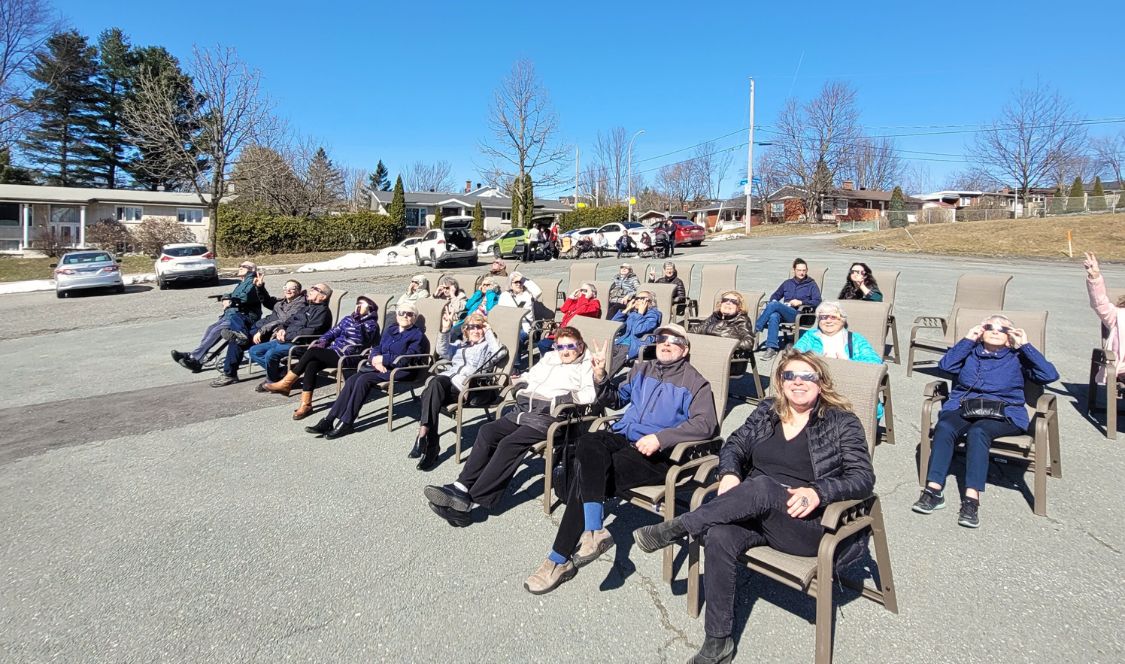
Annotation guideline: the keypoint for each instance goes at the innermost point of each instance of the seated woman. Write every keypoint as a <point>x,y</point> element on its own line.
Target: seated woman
<point>519,296</point>
<point>480,302</point>
<point>831,337</point>
<point>582,302</point>
<point>669,275</point>
<point>564,375</point>
<point>398,339</point>
<point>355,332</point>
<point>448,289</point>
<point>776,473</point>
<point>623,287</point>
<point>466,357</point>
<point>1112,315</point>
<point>992,363</point>
<point>645,245</point>
<point>626,245</point>
<point>641,318</point>
<point>730,321</point>
<point>861,285</point>
<point>418,289</point>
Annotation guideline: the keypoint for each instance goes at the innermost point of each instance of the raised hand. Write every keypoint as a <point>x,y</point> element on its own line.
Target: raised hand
<point>598,357</point>
<point>1018,337</point>
<point>1091,265</point>
<point>975,333</point>
<point>259,279</point>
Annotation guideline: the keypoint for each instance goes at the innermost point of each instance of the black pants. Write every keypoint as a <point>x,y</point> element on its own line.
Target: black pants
<point>497,452</point>
<point>439,392</point>
<point>313,361</point>
<point>612,308</point>
<point>751,514</point>
<point>608,464</point>
<point>357,388</point>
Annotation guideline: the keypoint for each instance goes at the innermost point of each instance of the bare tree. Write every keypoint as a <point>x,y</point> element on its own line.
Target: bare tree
<point>356,196</point>
<point>595,183</point>
<point>612,152</point>
<point>917,179</point>
<point>1036,131</point>
<point>679,182</point>
<point>710,165</point>
<point>815,139</point>
<point>1110,153</point>
<point>525,128</point>
<point>429,177</point>
<point>263,176</point>
<point>874,163</point>
<point>229,111</point>
<point>972,179</point>
<point>25,27</point>
<point>770,179</point>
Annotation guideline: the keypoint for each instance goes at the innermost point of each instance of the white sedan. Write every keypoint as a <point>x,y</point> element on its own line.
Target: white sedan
<point>403,252</point>
<point>613,231</point>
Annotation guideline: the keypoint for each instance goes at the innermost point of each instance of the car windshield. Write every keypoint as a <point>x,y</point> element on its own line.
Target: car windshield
<point>180,252</point>
<point>633,224</point>
<point>78,259</point>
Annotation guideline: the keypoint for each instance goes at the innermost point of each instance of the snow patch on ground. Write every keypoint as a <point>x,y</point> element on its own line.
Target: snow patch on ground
<point>355,261</point>
<point>726,236</point>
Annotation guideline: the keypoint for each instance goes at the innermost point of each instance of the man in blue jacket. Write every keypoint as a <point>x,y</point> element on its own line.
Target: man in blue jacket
<point>666,402</point>
<point>800,291</point>
<point>241,309</point>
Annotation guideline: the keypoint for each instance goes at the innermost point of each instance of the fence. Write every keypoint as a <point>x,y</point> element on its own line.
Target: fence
<point>1087,204</point>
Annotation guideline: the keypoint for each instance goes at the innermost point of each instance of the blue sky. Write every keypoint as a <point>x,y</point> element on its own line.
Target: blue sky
<point>405,81</point>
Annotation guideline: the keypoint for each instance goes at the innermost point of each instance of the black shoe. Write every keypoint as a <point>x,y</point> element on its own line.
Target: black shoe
<point>452,516</point>
<point>223,380</point>
<point>969,516</point>
<point>429,456</point>
<point>714,651</point>
<point>342,429</point>
<point>449,496</point>
<point>658,536</point>
<point>322,427</point>
<point>929,501</point>
<point>177,356</point>
<point>416,451</point>
<point>261,387</point>
<point>190,363</point>
<point>235,336</point>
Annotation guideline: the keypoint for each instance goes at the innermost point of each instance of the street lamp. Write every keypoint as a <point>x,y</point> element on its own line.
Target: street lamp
<point>629,158</point>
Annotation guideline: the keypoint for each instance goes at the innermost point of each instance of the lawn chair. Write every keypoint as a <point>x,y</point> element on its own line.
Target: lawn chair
<point>815,575</point>
<point>1040,448</point>
<point>713,278</point>
<point>664,299</point>
<point>888,286</point>
<point>974,291</point>
<point>433,278</point>
<point>740,361</point>
<point>428,317</point>
<point>580,273</point>
<point>603,295</point>
<point>1103,361</point>
<point>869,319</point>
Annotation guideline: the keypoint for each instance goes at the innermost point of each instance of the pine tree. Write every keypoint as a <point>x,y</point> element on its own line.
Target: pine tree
<point>1097,197</point>
<point>325,184</point>
<point>1076,201</point>
<point>523,201</point>
<point>1058,201</point>
<point>438,219</point>
<point>10,174</point>
<point>478,222</point>
<point>898,209</point>
<point>379,180</point>
<point>115,70</point>
<point>63,105</point>
<point>397,208</point>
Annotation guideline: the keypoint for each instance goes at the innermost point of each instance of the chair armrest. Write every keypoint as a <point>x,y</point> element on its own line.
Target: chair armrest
<point>701,493</point>
<point>439,365</point>
<point>927,323</point>
<point>1046,404</point>
<point>936,391</point>
<point>685,450</point>
<point>678,471</point>
<point>304,339</point>
<point>602,421</point>
<point>423,359</point>
<point>1103,357</point>
<point>835,512</point>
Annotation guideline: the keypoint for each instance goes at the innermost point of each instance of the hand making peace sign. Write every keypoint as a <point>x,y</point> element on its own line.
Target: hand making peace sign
<point>598,358</point>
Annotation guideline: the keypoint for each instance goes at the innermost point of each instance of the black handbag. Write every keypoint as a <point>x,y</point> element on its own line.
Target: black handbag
<point>564,477</point>
<point>983,409</point>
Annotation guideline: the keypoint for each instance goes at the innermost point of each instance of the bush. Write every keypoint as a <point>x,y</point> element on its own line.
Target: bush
<point>1076,202</point>
<point>152,234</point>
<point>593,217</point>
<point>110,235</point>
<point>248,232</point>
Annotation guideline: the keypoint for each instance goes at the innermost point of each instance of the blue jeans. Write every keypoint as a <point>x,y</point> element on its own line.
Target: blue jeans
<point>269,355</point>
<point>773,316</point>
<point>520,363</point>
<point>979,436</point>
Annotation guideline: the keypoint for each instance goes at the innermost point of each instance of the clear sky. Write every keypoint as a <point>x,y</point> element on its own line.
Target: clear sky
<point>405,81</point>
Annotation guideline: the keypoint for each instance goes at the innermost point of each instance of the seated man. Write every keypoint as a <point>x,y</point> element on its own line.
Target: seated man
<point>281,310</point>
<point>799,291</point>
<point>313,319</point>
<point>241,309</point>
<point>666,402</point>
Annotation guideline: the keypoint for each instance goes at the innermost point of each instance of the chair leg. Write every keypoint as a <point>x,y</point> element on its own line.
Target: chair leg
<point>669,551</point>
<point>893,326</point>
<point>391,407</point>
<point>758,392</point>
<point>883,558</point>
<point>548,476</point>
<point>1039,492</point>
<point>910,361</point>
<point>888,412</point>
<point>693,578</point>
<point>824,608</point>
<point>1112,402</point>
<point>457,441</point>
<point>924,455</point>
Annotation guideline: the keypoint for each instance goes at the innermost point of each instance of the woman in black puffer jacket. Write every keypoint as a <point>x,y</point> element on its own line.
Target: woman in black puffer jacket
<point>796,453</point>
<point>730,321</point>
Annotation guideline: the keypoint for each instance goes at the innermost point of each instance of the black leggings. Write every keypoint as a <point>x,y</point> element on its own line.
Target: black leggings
<point>499,448</point>
<point>312,362</point>
<point>439,392</point>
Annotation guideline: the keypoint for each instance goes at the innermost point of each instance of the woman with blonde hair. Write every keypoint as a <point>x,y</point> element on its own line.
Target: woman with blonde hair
<point>797,452</point>
<point>730,320</point>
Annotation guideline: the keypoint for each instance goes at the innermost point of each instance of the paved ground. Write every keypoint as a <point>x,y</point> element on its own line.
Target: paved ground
<point>146,516</point>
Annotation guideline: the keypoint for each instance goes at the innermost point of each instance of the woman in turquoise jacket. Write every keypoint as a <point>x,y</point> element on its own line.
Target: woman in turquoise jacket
<point>831,338</point>
<point>482,301</point>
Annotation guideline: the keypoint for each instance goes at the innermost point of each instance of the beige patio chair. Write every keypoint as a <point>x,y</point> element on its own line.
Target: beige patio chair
<point>713,278</point>
<point>412,371</point>
<point>888,286</point>
<point>869,319</point>
<point>333,305</point>
<point>974,291</point>
<point>664,300</point>
<point>740,362</point>
<point>580,273</point>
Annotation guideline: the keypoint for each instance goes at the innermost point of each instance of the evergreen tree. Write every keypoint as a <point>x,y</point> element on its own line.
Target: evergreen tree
<point>898,209</point>
<point>1097,197</point>
<point>438,219</point>
<point>1058,202</point>
<point>115,70</point>
<point>325,184</point>
<point>397,208</point>
<point>1076,201</point>
<point>380,179</point>
<point>63,104</point>
<point>523,201</point>
<point>10,174</point>
<point>478,222</point>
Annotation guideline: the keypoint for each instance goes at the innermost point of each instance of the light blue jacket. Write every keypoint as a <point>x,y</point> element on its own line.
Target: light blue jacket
<point>858,349</point>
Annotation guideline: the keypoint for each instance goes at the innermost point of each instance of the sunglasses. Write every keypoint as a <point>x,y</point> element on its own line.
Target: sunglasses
<point>671,339</point>
<point>566,346</point>
<point>641,299</point>
<point>827,317</point>
<point>317,289</point>
<point>474,326</point>
<point>405,314</point>
<point>805,376</point>
<point>731,300</point>
<point>860,272</point>
<point>991,327</point>
<point>246,267</point>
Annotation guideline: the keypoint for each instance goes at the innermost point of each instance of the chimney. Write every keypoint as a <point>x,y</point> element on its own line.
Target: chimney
<point>478,185</point>
<point>468,186</point>
<point>848,185</point>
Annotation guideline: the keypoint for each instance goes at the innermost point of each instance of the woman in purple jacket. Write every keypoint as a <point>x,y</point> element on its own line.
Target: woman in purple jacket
<point>355,332</point>
<point>991,363</point>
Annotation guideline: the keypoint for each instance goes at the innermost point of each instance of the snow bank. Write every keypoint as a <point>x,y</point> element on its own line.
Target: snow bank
<point>355,261</point>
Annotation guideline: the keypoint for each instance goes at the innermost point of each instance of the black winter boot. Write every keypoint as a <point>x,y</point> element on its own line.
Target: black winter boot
<point>660,535</point>
<point>323,426</point>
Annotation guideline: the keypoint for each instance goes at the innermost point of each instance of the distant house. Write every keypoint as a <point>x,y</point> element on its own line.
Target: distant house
<point>652,216</point>
<point>713,214</point>
<point>843,204</point>
<point>422,206</point>
<point>30,212</point>
<point>960,200</point>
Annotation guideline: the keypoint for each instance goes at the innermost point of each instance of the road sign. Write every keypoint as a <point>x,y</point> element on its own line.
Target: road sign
<point>757,180</point>
<point>742,182</point>
<point>632,201</point>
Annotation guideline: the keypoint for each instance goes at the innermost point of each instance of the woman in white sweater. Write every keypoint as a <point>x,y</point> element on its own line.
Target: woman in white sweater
<point>562,376</point>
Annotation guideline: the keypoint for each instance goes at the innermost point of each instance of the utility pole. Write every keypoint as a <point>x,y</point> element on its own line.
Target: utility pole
<point>629,184</point>
<point>577,152</point>
<point>750,159</point>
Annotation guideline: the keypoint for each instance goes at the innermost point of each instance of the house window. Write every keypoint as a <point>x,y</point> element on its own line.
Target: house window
<point>129,213</point>
<point>506,215</point>
<point>415,217</point>
<point>450,212</point>
<point>9,214</point>
<point>189,215</point>
<point>64,215</point>
<point>841,207</point>
<point>777,208</point>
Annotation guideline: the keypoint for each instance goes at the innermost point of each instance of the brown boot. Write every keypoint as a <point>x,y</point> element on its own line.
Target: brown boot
<point>282,386</point>
<point>305,409</point>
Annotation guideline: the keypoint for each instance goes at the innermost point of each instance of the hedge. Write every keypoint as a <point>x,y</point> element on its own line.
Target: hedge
<point>247,232</point>
<point>592,217</point>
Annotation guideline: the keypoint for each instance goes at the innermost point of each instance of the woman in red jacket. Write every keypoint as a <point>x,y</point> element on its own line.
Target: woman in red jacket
<point>582,302</point>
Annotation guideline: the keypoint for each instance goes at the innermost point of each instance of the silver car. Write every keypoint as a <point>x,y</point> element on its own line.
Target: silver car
<point>87,269</point>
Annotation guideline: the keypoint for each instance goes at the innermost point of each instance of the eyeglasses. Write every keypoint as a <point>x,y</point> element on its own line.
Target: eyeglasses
<point>805,376</point>
<point>292,288</point>
<point>416,283</point>
<point>317,289</point>
<point>566,346</point>
<point>991,327</point>
<point>859,272</point>
<point>828,317</point>
<point>671,339</point>
<point>731,300</point>
<point>641,299</point>
<point>486,284</point>
<point>244,266</point>
<point>474,326</point>
<point>405,314</point>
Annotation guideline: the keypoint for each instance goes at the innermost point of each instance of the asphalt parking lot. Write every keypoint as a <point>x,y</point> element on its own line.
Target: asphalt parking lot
<point>149,517</point>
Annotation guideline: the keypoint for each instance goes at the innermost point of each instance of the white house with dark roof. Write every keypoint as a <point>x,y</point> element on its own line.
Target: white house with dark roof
<point>29,211</point>
<point>422,206</point>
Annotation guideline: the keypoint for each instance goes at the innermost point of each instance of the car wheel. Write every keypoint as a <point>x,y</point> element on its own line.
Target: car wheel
<point>418,258</point>
<point>391,255</point>
<point>161,284</point>
<point>119,289</point>
<point>496,251</point>
<point>60,294</point>
<point>433,259</point>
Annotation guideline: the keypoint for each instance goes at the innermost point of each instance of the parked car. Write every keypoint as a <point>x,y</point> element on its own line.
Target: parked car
<point>614,230</point>
<point>404,248</point>
<point>451,243</point>
<point>689,233</point>
<point>505,245</point>
<point>78,270</point>
<point>186,261</point>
